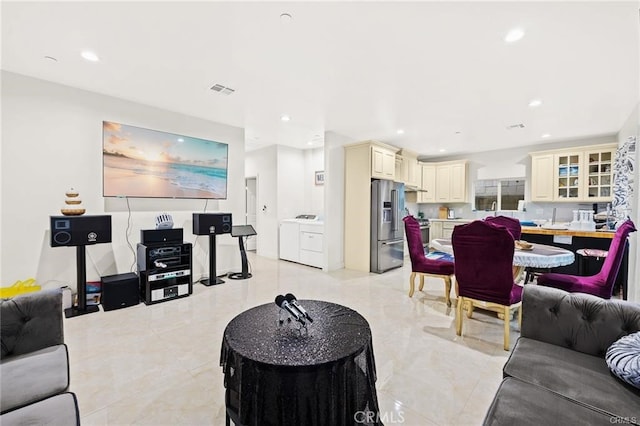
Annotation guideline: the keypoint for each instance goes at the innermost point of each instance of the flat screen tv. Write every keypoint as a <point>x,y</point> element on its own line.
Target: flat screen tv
<point>146,163</point>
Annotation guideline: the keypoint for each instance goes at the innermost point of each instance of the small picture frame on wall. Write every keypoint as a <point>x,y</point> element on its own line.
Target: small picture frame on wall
<point>320,178</point>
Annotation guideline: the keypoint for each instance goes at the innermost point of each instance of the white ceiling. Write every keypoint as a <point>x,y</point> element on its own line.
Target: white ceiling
<point>359,69</point>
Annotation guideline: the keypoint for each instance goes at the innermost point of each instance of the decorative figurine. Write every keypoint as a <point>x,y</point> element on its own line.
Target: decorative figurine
<point>73,204</point>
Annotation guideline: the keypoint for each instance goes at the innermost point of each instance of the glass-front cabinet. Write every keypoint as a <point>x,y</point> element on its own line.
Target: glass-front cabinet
<point>568,169</point>
<point>581,174</point>
<point>599,179</point>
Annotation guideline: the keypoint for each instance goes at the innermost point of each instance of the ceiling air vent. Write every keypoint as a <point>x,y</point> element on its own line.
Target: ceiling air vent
<point>515,126</point>
<point>222,89</point>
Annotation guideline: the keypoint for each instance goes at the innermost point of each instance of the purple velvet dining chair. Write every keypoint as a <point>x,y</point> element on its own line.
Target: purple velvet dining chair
<point>512,224</point>
<point>422,266</point>
<point>600,284</point>
<point>483,255</point>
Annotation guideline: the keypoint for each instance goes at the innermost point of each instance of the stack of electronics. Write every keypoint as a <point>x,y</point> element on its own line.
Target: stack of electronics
<point>164,265</point>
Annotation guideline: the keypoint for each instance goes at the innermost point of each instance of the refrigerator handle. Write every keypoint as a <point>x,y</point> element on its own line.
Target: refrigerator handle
<point>394,210</point>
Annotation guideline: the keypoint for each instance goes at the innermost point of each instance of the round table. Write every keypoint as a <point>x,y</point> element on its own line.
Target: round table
<point>540,256</point>
<point>276,374</point>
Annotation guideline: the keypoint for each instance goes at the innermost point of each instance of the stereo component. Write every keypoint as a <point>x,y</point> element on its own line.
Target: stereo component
<point>164,271</point>
<point>211,223</point>
<point>80,230</point>
<point>161,236</point>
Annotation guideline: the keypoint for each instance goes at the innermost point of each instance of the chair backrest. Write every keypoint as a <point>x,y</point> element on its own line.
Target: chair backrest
<point>512,224</point>
<point>483,255</point>
<point>611,265</point>
<point>414,240</point>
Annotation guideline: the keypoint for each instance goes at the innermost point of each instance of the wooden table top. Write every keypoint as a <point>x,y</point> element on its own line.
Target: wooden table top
<point>572,233</point>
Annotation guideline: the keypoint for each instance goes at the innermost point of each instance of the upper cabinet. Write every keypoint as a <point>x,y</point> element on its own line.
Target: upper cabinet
<point>383,162</point>
<point>444,182</point>
<point>580,174</point>
<point>408,170</point>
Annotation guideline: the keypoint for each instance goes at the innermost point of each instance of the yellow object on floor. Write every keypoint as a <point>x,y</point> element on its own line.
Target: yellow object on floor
<point>19,287</point>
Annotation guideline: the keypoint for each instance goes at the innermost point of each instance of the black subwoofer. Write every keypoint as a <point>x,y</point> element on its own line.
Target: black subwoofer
<point>120,291</point>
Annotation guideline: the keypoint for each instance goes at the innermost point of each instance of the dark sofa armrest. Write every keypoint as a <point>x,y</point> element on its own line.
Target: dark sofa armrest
<point>31,322</point>
<point>577,321</point>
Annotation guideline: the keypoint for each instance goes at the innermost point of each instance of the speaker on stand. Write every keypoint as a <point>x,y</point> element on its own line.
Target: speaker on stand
<point>212,224</point>
<point>80,231</point>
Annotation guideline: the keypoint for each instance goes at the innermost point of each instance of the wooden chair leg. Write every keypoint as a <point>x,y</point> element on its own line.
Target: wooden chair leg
<point>421,282</point>
<point>447,290</point>
<point>412,283</point>
<point>507,318</point>
<point>469,309</point>
<point>520,317</point>
<point>459,316</point>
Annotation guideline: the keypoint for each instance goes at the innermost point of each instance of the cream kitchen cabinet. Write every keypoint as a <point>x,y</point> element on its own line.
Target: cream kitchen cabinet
<point>581,174</point>
<point>451,182</point>
<point>428,183</point>
<point>383,162</point>
<point>408,170</point>
<point>444,182</point>
<point>542,166</point>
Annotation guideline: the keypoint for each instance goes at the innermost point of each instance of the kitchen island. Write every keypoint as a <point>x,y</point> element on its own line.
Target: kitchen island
<point>578,239</point>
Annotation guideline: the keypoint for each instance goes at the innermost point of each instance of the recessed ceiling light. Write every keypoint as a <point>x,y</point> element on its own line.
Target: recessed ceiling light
<point>400,132</point>
<point>51,58</point>
<point>89,56</point>
<point>309,143</point>
<point>442,150</point>
<point>546,135</point>
<point>285,118</point>
<point>535,103</point>
<point>180,140</point>
<point>285,18</point>
<point>514,35</point>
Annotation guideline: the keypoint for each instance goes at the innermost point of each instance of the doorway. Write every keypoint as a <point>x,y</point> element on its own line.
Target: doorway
<point>250,188</point>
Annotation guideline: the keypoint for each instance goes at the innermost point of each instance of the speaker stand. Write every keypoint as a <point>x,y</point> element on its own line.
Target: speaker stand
<point>245,263</point>
<point>81,279</point>
<point>213,279</point>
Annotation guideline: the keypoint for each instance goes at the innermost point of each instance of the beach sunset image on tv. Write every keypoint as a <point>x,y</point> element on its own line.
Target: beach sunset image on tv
<point>142,163</point>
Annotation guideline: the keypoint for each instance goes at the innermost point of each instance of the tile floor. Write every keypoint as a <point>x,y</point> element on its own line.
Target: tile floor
<point>159,364</point>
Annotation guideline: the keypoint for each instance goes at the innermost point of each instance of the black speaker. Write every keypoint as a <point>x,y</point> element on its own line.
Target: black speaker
<point>80,230</point>
<point>120,291</point>
<point>211,223</point>
<point>161,236</point>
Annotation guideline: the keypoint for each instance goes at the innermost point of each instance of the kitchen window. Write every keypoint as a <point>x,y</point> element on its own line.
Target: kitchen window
<point>498,194</point>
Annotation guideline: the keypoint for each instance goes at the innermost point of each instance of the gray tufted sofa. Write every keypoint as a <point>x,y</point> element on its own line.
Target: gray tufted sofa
<point>34,363</point>
<point>557,373</point>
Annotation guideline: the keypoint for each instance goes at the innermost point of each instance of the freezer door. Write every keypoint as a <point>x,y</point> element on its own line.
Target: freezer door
<point>397,202</point>
<point>382,213</point>
<point>390,254</point>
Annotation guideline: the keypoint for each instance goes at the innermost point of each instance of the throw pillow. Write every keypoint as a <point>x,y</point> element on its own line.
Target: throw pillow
<point>623,358</point>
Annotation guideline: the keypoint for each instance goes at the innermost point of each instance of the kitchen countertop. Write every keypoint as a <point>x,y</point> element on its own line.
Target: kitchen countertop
<point>568,232</point>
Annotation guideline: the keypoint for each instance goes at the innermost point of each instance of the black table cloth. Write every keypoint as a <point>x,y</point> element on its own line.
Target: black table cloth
<point>277,375</point>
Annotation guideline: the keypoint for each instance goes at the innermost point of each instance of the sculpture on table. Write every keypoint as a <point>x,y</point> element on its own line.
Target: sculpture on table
<point>73,204</point>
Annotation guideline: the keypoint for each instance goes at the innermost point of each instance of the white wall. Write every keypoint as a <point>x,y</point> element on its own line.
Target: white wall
<point>313,194</point>
<point>291,182</point>
<point>263,164</point>
<point>334,199</point>
<point>51,141</point>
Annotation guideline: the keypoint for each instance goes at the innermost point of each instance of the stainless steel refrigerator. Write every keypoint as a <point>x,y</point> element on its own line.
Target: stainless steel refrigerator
<point>387,230</point>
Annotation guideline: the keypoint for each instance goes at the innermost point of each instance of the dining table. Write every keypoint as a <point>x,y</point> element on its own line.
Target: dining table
<point>539,256</point>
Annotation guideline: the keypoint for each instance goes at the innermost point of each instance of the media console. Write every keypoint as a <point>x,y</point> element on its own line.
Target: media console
<point>164,270</point>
